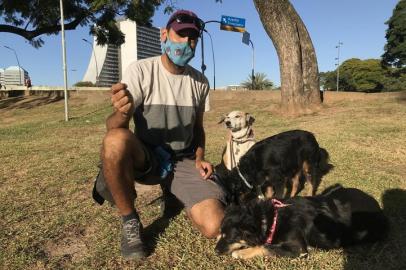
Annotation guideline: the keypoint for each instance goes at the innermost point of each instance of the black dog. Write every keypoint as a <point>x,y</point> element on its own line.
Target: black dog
<point>339,217</point>
<point>277,167</point>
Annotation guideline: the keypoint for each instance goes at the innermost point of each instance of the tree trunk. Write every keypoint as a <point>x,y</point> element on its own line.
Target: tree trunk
<point>297,58</point>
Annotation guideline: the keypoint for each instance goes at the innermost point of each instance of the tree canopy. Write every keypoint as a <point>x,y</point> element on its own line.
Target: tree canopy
<point>365,76</point>
<point>375,75</point>
<point>33,18</point>
<point>395,48</point>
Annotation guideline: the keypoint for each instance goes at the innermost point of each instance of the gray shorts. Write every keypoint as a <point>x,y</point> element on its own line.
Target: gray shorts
<point>185,182</point>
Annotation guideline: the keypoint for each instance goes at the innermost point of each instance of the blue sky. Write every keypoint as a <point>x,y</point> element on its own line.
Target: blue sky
<point>359,24</point>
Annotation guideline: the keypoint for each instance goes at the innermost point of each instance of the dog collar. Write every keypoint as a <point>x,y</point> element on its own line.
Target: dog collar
<point>243,178</point>
<point>276,204</point>
<point>243,140</point>
<point>259,192</point>
<point>248,135</point>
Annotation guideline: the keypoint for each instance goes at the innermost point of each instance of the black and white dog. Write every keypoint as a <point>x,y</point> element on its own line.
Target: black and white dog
<point>339,217</point>
<point>277,167</point>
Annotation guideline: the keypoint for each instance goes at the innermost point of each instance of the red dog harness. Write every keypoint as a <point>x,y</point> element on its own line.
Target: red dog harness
<point>276,204</point>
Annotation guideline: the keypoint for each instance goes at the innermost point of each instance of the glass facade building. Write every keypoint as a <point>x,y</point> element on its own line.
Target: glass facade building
<point>107,63</point>
<point>149,42</point>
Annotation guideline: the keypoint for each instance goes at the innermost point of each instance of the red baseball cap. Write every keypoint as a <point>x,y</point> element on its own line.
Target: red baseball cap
<point>184,19</point>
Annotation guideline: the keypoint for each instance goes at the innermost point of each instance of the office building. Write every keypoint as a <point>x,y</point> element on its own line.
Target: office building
<point>13,75</point>
<point>107,63</point>
<point>1,76</point>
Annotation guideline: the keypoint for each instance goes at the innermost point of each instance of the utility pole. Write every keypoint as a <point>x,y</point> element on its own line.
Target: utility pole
<point>95,60</point>
<point>65,75</point>
<point>338,63</point>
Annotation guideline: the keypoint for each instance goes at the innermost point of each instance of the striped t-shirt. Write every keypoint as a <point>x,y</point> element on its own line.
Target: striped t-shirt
<point>166,104</point>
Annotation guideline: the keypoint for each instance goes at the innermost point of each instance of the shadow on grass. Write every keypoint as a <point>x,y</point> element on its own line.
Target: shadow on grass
<point>151,233</point>
<point>389,254</point>
<point>401,97</point>
<point>22,102</point>
<point>96,111</point>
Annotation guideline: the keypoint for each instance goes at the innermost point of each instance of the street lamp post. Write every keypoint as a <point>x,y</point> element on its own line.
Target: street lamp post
<point>338,63</point>
<point>253,65</point>
<point>18,62</point>
<point>95,60</point>
<point>247,41</point>
<point>202,43</point>
<point>214,62</point>
<point>204,66</point>
<point>65,75</point>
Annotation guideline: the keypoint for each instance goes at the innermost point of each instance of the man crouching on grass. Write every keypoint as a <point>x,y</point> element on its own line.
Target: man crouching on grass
<point>167,99</point>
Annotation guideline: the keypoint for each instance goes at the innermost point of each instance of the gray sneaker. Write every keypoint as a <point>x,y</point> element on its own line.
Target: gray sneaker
<point>131,243</point>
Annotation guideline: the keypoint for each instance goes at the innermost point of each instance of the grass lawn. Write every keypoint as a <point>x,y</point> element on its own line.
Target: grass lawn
<point>48,219</point>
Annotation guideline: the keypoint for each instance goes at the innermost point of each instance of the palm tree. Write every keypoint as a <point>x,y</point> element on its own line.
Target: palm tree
<point>260,82</point>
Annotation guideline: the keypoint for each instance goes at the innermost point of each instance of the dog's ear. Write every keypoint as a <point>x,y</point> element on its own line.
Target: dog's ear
<point>250,119</point>
<point>222,119</point>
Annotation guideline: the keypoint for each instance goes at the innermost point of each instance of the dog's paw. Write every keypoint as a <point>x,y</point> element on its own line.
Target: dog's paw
<point>248,253</point>
<point>303,255</point>
<point>237,254</point>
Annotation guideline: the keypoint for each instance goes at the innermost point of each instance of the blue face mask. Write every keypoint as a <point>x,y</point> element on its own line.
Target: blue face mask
<point>180,53</point>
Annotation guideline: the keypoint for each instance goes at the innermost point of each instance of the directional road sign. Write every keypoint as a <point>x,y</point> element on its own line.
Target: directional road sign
<point>235,24</point>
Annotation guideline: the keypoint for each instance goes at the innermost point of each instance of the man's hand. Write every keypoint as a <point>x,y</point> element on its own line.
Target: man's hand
<point>122,100</point>
<point>205,168</point>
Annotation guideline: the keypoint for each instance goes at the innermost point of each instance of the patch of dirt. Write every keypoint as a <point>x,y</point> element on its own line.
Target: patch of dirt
<point>72,246</point>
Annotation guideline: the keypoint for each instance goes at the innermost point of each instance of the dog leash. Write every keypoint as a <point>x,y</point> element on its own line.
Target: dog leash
<point>276,204</point>
<point>243,178</point>
<point>232,156</point>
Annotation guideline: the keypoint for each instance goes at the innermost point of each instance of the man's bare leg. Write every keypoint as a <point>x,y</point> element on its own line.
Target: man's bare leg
<point>122,153</point>
<point>207,216</point>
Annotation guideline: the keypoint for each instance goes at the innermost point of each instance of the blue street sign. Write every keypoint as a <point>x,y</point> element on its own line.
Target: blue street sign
<point>235,24</point>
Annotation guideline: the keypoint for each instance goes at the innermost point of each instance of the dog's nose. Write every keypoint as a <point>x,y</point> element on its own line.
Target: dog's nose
<point>228,123</point>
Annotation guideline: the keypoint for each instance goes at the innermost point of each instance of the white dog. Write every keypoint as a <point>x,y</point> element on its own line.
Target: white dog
<point>240,139</point>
